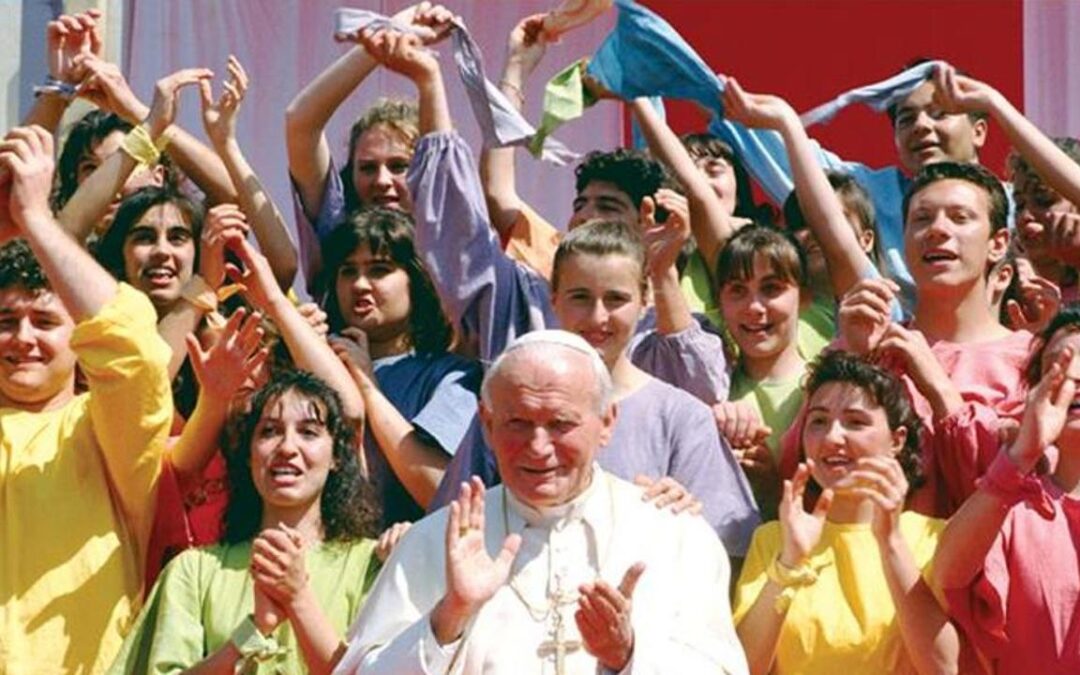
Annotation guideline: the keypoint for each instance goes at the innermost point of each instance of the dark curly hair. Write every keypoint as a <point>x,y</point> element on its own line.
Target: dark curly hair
<point>1067,319</point>
<point>110,248</point>
<point>19,268</point>
<point>388,232</point>
<point>883,389</point>
<point>629,170</point>
<point>399,116</point>
<point>972,173</point>
<point>344,504</point>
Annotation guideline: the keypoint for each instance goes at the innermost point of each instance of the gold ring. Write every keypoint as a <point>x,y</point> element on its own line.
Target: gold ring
<point>463,530</point>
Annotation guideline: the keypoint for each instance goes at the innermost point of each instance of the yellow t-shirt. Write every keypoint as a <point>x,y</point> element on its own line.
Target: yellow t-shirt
<point>77,486</point>
<point>845,622</point>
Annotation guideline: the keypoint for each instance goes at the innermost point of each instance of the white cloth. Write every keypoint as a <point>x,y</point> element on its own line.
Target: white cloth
<point>681,616</point>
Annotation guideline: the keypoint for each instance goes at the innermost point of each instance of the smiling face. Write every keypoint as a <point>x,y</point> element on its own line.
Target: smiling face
<point>543,425</point>
<point>842,426</point>
<point>37,364</point>
<point>947,238</point>
<point>291,454</point>
<point>380,162</point>
<point>601,299</point>
<point>604,200</point>
<point>159,254</point>
<point>925,135</point>
<point>762,312</point>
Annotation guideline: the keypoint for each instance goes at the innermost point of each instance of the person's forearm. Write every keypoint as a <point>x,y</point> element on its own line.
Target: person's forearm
<point>319,642</point>
<point>312,353</point>
<point>263,215</point>
<point>822,210</point>
<point>434,109</point>
<point>940,392</point>
<point>416,464</point>
<point>962,550</point>
<point>201,436</point>
<point>80,282</point>
<point>710,224</point>
<point>46,112</point>
<point>1056,168</point>
<point>174,328</point>
<point>88,205</point>
<point>306,118</point>
<point>201,165</point>
<point>931,641</point>
<point>497,170</point>
<point>672,312</point>
<point>759,630</point>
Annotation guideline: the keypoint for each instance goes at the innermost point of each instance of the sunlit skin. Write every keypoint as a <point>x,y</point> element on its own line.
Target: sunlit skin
<point>141,177</point>
<point>291,456</point>
<point>762,315</point>
<point>925,135</point>
<point>843,426</point>
<point>1062,339</point>
<point>721,177</point>
<point>380,162</point>
<point>601,299</point>
<point>602,199</point>
<point>544,431</point>
<point>37,364</point>
<point>373,295</point>
<point>947,238</point>
<point>159,254</point>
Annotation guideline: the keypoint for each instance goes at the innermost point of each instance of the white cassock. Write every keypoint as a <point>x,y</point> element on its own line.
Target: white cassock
<point>681,616</point>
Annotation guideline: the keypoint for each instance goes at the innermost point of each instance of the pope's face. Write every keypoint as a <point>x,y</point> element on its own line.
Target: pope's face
<point>544,427</point>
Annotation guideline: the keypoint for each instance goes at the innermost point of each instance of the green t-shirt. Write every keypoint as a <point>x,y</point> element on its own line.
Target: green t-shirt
<point>205,593</point>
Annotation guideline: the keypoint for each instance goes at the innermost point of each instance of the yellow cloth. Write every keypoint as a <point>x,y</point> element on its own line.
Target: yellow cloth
<point>697,288</point>
<point>533,241</point>
<point>77,486</point>
<point>846,622</point>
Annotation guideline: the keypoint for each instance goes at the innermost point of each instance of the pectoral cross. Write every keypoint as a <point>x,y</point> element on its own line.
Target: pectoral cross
<point>558,645</point>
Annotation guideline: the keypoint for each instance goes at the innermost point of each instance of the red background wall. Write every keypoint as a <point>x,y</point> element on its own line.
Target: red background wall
<point>811,50</point>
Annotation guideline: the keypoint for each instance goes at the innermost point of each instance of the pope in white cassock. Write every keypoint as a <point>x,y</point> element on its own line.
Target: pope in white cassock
<point>561,569</point>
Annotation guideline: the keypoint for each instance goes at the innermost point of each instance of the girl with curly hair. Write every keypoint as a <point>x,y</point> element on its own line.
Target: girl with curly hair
<point>296,561</point>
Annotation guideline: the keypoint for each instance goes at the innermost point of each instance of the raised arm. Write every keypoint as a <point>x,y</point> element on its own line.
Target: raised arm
<point>711,223</point>
<point>310,111</point>
<point>524,49</point>
<point>663,243</point>
<point>759,627</point>
<point>308,349</point>
<point>26,155</point>
<point>88,205</point>
<point>959,94</point>
<point>822,208</point>
<point>972,530</point>
<point>233,357</point>
<point>417,463</point>
<point>66,37</point>
<point>263,215</point>
<point>107,88</point>
<point>931,641</point>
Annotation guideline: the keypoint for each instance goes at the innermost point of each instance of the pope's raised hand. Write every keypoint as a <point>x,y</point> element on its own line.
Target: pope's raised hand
<point>472,575</point>
<point>604,619</point>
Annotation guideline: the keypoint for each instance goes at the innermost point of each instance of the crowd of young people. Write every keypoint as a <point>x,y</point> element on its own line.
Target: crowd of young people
<point>870,400</point>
